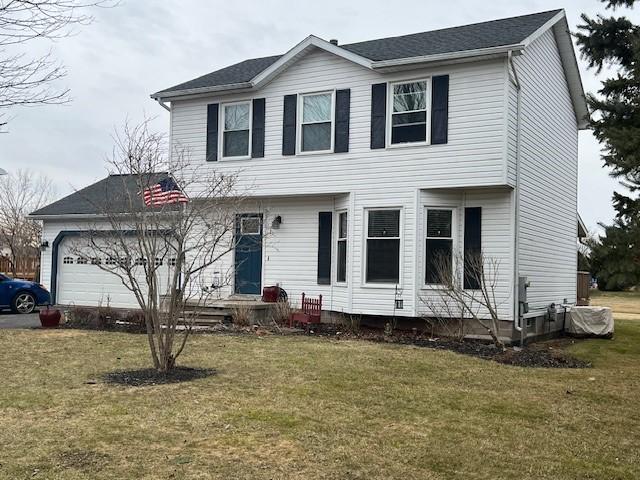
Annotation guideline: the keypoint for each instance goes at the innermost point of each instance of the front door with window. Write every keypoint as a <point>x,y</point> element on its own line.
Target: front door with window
<point>248,258</point>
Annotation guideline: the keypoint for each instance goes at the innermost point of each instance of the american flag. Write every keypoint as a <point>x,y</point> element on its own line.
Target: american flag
<point>164,192</point>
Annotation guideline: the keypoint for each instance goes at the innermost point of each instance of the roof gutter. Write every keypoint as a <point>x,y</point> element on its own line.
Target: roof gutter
<point>516,48</point>
<point>163,105</point>
<point>202,90</point>
<point>60,216</point>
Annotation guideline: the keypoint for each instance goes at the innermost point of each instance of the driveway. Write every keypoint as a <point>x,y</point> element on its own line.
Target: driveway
<point>11,320</point>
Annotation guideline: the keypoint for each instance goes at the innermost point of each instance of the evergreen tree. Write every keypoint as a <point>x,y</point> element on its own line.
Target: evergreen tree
<point>615,41</point>
<point>612,257</point>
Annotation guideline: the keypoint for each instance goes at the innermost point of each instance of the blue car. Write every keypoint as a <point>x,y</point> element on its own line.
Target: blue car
<point>22,296</point>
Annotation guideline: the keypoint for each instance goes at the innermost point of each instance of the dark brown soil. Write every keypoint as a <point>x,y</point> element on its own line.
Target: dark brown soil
<point>149,376</point>
<point>547,354</point>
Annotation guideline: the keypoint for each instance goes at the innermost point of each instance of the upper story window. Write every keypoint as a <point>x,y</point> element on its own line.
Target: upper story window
<point>317,122</point>
<point>236,121</point>
<point>409,112</point>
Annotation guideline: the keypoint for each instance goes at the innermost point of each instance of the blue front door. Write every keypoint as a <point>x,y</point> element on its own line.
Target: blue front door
<point>248,265</point>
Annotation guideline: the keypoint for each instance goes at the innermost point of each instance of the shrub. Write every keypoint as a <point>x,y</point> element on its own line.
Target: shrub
<point>241,315</point>
<point>81,317</point>
<point>106,318</point>
<point>350,323</point>
<point>281,312</point>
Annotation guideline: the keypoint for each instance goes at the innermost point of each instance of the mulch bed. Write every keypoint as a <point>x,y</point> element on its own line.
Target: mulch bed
<point>544,354</point>
<point>149,376</point>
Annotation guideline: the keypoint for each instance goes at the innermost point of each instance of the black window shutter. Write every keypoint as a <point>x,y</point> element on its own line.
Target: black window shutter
<point>289,125</point>
<point>343,107</point>
<point>440,109</point>
<point>472,246</point>
<point>378,115</point>
<point>325,220</point>
<point>212,132</point>
<point>257,128</point>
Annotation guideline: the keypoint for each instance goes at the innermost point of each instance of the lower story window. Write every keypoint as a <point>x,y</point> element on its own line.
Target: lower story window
<point>342,247</point>
<point>439,246</point>
<point>383,246</point>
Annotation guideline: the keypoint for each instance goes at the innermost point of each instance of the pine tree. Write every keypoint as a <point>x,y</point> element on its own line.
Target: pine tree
<point>615,41</point>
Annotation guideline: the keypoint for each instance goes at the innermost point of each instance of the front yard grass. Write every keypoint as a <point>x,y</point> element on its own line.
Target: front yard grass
<point>307,408</point>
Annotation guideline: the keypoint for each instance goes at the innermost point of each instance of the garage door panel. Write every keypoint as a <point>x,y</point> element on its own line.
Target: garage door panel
<point>87,285</point>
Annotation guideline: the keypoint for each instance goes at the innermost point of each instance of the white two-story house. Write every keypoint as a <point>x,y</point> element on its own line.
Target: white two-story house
<point>366,161</point>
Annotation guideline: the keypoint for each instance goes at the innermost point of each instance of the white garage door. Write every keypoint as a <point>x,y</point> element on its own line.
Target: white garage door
<point>82,282</point>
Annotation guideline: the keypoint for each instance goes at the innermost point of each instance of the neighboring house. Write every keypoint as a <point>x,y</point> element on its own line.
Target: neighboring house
<point>374,156</point>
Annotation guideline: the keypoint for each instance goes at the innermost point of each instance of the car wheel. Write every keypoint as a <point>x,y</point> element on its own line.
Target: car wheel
<point>23,303</point>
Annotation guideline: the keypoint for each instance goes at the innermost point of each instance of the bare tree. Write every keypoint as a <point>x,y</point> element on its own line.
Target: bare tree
<point>163,253</point>
<point>22,192</point>
<point>466,290</point>
<point>28,80</point>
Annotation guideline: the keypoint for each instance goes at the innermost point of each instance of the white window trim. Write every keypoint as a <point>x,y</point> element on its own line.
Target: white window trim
<point>428,94</point>
<point>454,243</point>
<point>346,242</point>
<point>222,130</point>
<point>299,122</point>
<point>365,237</point>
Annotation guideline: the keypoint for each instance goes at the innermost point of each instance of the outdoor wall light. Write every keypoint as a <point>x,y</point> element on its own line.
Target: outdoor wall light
<point>276,222</point>
<point>44,245</point>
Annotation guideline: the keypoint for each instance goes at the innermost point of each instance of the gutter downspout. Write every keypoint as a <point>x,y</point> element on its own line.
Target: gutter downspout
<point>162,104</point>
<point>518,321</point>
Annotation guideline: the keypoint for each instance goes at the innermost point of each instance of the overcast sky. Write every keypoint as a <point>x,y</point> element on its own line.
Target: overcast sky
<point>143,46</point>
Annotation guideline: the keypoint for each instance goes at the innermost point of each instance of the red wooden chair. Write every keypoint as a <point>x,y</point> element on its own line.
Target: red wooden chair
<point>309,314</point>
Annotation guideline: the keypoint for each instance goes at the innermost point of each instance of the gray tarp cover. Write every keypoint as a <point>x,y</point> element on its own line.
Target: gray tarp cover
<point>596,321</point>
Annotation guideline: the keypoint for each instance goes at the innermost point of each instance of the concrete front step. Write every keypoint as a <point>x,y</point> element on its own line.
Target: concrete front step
<point>204,322</point>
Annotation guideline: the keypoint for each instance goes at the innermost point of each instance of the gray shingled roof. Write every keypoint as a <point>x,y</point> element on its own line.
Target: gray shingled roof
<point>109,195</point>
<point>495,33</point>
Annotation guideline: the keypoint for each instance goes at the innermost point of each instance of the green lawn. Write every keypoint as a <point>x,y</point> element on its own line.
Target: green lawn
<point>305,408</point>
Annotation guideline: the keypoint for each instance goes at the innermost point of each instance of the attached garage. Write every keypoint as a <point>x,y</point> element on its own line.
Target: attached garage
<point>81,281</point>
<point>76,279</point>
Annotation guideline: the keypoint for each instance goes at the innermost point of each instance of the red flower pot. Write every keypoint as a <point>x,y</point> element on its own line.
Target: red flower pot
<point>50,317</point>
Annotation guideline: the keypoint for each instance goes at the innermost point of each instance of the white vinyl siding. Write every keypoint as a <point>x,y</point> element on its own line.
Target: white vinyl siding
<point>548,177</point>
<point>473,156</point>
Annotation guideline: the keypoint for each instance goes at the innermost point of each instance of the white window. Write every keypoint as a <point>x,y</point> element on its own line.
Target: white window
<point>383,246</point>
<point>341,274</point>
<point>439,245</point>
<point>82,261</point>
<point>67,260</point>
<point>236,131</point>
<point>409,108</point>
<point>316,128</point>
